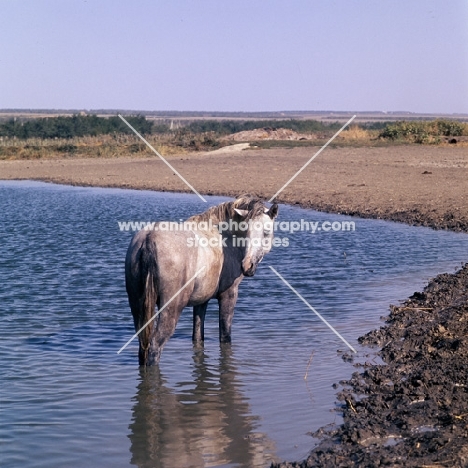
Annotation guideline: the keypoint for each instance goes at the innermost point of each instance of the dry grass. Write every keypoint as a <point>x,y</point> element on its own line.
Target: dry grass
<point>104,146</point>
<point>172,143</point>
<point>357,134</point>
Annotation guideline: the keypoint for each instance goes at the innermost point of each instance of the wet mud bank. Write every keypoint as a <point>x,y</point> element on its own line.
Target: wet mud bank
<point>435,218</point>
<point>412,410</point>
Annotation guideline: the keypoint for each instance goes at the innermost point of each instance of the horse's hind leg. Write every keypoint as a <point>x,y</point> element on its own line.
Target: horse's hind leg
<point>164,327</point>
<point>199,312</point>
<point>142,299</point>
<point>146,352</point>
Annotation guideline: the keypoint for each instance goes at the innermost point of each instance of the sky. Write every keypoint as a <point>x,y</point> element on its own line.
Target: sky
<point>235,55</point>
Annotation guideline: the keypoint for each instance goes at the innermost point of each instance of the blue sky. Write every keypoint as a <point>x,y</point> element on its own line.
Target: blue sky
<point>235,55</point>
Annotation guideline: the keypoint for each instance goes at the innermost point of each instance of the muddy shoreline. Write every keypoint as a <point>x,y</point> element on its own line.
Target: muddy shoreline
<point>413,410</point>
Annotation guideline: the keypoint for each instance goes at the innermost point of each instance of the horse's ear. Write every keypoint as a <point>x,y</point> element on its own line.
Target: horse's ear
<point>242,213</point>
<point>273,211</point>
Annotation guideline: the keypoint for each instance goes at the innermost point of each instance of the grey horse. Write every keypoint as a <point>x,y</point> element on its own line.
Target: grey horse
<point>223,244</point>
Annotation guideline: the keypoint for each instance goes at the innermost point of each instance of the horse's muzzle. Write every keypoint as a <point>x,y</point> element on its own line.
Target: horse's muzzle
<point>249,271</point>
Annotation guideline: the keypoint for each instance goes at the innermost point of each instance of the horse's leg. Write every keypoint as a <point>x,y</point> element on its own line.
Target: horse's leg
<point>164,328</point>
<point>227,301</point>
<point>199,312</point>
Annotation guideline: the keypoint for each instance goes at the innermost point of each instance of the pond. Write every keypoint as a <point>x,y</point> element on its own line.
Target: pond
<point>67,397</point>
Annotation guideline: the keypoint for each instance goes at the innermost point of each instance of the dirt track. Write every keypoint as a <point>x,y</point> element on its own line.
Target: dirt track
<point>420,185</point>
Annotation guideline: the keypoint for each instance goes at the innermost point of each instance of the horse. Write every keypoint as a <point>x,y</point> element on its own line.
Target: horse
<point>175,265</point>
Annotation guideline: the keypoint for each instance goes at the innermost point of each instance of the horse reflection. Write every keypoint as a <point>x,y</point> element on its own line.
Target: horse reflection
<point>209,425</point>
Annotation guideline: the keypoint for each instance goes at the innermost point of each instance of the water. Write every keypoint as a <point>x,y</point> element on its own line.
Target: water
<point>68,399</point>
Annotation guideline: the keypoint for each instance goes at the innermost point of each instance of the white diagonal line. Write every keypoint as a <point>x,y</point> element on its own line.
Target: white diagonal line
<point>160,310</point>
<point>162,159</point>
<point>313,310</point>
<point>312,158</point>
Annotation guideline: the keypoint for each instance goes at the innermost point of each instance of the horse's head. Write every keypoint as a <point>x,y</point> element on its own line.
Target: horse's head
<point>258,235</point>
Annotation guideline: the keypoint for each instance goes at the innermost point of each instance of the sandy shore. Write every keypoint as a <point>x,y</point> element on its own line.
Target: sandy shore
<point>419,185</point>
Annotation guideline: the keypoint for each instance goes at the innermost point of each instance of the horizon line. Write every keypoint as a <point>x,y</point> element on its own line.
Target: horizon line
<point>224,113</point>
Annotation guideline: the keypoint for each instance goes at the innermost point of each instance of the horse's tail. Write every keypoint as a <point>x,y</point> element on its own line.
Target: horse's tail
<point>149,270</point>
<point>141,278</point>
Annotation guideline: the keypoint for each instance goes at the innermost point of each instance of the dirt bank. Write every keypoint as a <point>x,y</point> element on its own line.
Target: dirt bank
<point>412,411</point>
<point>420,185</point>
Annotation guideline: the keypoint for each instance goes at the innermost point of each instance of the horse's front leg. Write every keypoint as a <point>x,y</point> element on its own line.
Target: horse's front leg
<point>227,301</point>
<point>199,312</point>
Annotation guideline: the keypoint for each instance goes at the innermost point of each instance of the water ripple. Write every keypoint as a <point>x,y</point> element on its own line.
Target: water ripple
<point>67,398</point>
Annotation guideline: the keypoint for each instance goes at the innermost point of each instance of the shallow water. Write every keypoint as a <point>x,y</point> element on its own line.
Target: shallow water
<point>68,399</point>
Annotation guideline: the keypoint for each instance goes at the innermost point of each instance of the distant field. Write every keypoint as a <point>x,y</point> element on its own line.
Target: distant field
<point>161,116</point>
<point>45,135</point>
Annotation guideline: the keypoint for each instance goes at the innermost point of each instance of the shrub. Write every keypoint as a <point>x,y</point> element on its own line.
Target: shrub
<point>450,127</point>
<point>423,132</point>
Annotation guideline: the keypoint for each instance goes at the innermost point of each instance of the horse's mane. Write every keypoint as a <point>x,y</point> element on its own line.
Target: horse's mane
<point>226,210</point>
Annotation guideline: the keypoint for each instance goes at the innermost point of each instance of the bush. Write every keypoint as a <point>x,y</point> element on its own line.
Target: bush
<point>423,132</point>
<point>195,141</point>
<point>450,127</point>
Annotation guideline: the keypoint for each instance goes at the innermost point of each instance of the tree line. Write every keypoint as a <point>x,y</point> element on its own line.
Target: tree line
<point>92,125</point>
<point>66,127</point>
<point>72,126</point>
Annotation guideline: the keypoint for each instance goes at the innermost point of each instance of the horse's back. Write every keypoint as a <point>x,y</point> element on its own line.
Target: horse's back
<point>177,258</point>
